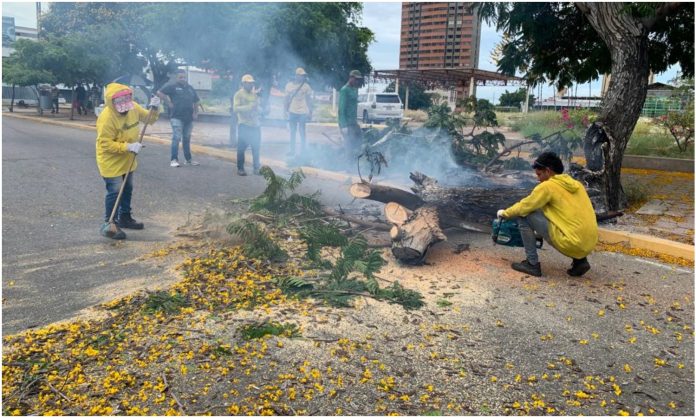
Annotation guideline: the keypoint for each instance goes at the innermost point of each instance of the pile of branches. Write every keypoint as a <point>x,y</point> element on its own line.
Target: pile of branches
<point>467,138</point>
<point>280,213</point>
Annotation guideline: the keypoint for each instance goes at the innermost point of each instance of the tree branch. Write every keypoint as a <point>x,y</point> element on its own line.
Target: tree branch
<point>661,13</point>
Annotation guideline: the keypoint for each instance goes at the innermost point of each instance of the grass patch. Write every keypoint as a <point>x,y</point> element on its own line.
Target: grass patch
<point>651,139</point>
<point>542,123</point>
<point>648,138</point>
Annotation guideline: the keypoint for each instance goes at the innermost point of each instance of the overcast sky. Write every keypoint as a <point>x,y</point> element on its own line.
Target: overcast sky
<point>384,19</point>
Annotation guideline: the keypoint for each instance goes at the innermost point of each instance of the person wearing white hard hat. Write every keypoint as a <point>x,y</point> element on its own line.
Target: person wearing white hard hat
<point>298,108</point>
<point>247,106</point>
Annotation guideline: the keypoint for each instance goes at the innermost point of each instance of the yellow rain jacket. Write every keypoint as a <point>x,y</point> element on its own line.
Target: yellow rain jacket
<point>565,203</point>
<point>115,131</point>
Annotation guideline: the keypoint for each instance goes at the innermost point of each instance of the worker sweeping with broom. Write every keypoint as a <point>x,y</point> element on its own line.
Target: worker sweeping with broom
<point>117,145</point>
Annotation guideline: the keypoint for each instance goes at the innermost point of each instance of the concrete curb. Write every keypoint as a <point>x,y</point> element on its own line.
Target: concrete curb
<point>647,242</point>
<point>636,241</point>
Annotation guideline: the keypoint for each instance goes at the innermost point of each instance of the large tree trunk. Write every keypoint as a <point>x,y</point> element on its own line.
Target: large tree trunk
<point>419,219</point>
<point>627,40</point>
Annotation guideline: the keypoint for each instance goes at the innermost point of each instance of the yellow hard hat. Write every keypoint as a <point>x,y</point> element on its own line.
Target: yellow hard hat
<point>247,78</point>
<point>300,71</point>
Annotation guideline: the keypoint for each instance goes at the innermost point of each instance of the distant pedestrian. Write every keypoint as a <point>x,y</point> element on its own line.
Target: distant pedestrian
<point>117,142</point>
<point>81,97</point>
<point>247,106</point>
<point>298,108</point>
<point>348,115</point>
<point>55,96</point>
<point>182,101</point>
<point>95,94</point>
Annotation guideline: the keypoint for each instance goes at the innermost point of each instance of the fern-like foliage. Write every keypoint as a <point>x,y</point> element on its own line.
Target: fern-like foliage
<point>317,236</point>
<point>355,256</point>
<point>278,197</point>
<point>292,284</point>
<point>257,244</point>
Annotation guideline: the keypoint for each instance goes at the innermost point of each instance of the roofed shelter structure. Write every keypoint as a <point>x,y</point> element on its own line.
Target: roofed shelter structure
<point>461,79</point>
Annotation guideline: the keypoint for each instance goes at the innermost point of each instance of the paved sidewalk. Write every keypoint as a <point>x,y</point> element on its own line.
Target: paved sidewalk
<point>670,195</point>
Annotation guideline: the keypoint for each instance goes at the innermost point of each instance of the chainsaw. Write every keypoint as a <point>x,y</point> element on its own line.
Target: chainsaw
<point>507,232</point>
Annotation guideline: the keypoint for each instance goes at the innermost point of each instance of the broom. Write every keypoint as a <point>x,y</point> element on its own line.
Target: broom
<point>110,228</point>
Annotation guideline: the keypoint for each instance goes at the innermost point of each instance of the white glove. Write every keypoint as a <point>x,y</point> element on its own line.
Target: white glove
<point>500,213</point>
<point>134,147</point>
<point>154,102</point>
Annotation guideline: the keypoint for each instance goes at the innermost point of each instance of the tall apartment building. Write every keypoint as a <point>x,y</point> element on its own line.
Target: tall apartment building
<point>438,35</point>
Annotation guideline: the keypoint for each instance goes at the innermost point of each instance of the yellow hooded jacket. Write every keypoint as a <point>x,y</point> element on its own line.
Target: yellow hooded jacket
<point>565,203</point>
<point>115,131</point>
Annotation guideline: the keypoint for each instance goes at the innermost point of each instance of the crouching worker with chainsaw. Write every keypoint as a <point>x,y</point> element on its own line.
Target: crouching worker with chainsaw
<point>118,143</point>
<point>559,211</point>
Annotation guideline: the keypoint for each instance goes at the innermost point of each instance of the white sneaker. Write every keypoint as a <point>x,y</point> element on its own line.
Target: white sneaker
<point>174,163</point>
<point>192,162</point>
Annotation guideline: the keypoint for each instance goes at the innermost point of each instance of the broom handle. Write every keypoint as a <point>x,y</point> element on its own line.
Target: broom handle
<point>125,178</point>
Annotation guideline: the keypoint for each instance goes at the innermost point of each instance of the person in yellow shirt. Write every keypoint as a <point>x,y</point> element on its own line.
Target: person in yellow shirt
<point>116,146</point>
<point>298,108</point>
<point>559,211</point>
<point>246,105</point>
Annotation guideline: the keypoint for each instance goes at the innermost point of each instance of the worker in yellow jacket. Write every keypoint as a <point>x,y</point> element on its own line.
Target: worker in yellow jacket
<point>247,105</point>
<point>117,144</point>
<point>559,211</point>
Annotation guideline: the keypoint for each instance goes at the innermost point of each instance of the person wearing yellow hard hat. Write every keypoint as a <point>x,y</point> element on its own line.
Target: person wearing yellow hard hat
<point>298,108</point>
<point>247,106</point>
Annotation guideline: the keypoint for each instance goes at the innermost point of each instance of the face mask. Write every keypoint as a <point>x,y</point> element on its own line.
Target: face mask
<point>123,102</point>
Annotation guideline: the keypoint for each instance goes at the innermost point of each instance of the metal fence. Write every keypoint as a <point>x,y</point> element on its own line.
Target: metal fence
<point>26,94</point>
<point>659,103</point>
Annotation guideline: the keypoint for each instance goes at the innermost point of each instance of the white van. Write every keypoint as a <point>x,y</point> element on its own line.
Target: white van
<point>374,107</point>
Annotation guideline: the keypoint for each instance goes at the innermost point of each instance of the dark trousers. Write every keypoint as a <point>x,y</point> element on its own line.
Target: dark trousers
<point>295,121</point>
<point>113,185</point>
<point>248,136</point>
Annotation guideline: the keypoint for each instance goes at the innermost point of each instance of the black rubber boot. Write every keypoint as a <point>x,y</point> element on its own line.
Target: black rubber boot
<point>126,221</point>
<point>527,268</point>
<point>579,267</point>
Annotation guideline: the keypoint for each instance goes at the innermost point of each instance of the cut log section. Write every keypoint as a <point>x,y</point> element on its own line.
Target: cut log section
<point>386,194</point>
<point>411,240</point>
<point>419,218</point>
<point>395,213</point>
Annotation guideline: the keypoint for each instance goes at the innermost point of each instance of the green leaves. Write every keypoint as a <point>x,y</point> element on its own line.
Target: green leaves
<point>275,197</point>
<point>257,244</point>
<point>161,301</point>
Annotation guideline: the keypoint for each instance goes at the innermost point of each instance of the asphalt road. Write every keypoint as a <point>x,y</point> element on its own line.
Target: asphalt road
<point>54,262</point>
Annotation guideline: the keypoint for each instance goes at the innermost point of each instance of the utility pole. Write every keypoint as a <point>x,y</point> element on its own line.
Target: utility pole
<point>38,19</point>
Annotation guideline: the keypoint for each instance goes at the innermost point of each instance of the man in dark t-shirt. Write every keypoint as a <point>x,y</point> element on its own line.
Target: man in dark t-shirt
<point>182,101</point>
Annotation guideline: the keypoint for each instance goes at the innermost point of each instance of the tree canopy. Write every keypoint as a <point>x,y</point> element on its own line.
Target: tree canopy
<point>264,39</point>
<point>573,51</point>
<point>516,98</point>
<point>566,43</point>
<point>418,99</point>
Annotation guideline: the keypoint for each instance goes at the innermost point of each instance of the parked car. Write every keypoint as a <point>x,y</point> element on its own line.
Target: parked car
<point>374,107</point>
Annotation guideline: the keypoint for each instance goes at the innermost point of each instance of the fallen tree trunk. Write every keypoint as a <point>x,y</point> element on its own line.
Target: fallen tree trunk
<point>420,218</point>
<point>385,194</point>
